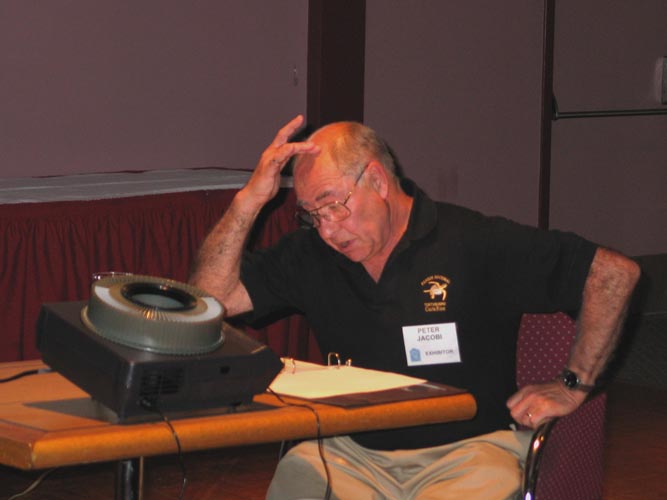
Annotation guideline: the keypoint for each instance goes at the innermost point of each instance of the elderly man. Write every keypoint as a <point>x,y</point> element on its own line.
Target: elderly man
<point>378,258</point>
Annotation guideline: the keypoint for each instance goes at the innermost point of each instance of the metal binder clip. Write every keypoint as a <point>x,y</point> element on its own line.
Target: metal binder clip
<point>348,361</point>
<point>333,355</point>
<point>292,363</point>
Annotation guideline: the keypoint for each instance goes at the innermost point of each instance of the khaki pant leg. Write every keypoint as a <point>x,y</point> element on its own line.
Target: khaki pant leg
<point>301,474</point>
<point>486,467</point>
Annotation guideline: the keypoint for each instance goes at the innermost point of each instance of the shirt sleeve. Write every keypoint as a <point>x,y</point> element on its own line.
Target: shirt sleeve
<point>271,275</point>
<point>536,270</point>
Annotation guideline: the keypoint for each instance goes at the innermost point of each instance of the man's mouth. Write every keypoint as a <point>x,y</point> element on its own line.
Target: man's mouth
<point>345,246</point>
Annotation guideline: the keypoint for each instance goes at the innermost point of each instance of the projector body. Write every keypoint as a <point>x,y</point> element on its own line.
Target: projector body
<point>134,383</point>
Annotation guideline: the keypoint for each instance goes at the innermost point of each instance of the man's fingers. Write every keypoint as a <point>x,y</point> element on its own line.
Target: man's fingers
<point>281,150</point>
<point>515,398</point>
<point>275,158</point>
<point>527,406</point>
<point>287,131</point>
<point>287,151</point>
<point>527,412</point>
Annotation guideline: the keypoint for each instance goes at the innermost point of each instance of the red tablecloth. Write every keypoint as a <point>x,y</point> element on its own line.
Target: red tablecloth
<point>49,251</point>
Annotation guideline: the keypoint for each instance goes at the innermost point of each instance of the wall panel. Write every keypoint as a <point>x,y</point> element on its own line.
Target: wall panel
<point>609,175</point>
<point>118,85</point>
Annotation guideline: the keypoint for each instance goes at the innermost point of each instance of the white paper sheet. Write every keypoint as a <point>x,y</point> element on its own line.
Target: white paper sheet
<point>311,381</point>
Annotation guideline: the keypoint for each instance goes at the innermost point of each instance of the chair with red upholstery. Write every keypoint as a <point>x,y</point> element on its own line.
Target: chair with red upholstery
<point>566,457</point>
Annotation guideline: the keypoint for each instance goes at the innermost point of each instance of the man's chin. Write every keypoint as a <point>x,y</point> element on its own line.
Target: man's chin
<point>350,252</point>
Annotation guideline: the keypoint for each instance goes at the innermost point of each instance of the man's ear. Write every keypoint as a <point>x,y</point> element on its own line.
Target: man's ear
<point>377,178</point>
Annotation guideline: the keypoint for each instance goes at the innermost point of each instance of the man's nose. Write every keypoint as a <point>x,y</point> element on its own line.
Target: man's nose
<point>327,228</point>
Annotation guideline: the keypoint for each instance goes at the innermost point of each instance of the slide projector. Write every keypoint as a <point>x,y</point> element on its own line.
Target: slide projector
<point>143,345</point>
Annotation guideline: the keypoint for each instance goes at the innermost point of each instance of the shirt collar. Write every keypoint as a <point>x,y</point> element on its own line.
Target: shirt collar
<point>423,216</point>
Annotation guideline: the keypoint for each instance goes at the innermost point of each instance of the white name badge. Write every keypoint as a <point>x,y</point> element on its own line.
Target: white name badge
<point>431,344</point>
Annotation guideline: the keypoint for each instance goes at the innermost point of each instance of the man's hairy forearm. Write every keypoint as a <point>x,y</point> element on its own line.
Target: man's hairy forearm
<point>609,286</point>
<point>218,263</point>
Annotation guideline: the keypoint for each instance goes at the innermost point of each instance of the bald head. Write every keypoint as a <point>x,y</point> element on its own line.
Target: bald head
<point>349,146</point>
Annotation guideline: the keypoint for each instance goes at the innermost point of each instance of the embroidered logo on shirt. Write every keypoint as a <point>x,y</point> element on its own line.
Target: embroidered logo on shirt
<point>435,287</point>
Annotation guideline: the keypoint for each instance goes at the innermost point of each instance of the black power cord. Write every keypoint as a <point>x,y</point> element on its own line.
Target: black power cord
<point>26,373</point>
<point>146,403</point>
<point>320,441</point>
<point>153,405</point>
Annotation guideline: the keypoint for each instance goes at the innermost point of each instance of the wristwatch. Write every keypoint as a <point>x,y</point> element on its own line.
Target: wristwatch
<point>572,382</point>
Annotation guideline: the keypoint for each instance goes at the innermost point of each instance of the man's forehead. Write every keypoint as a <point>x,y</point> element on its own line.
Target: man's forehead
<point>315,184</point>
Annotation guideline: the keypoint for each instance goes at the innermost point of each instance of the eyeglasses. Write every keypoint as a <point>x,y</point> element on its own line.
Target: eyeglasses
<point>335,211</point>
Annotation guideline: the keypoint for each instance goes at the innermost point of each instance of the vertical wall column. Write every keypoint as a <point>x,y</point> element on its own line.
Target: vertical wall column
<point>544,186</point>
<point>336,52</point>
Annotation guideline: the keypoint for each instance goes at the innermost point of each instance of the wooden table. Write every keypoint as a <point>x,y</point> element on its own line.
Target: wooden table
<point>46,421</point>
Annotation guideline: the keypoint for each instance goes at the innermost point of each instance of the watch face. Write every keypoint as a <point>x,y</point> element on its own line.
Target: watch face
<point>570,379</point>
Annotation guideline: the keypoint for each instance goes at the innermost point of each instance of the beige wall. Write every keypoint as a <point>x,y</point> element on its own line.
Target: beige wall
<point>609,175</point>
<point>455,88</point>
<point>114,85</point>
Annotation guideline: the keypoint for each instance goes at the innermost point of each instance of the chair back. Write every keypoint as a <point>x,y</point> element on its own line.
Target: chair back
<point>572,461</point>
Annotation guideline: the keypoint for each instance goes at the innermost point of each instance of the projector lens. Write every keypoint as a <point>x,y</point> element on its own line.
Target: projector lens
<point>159,297</point>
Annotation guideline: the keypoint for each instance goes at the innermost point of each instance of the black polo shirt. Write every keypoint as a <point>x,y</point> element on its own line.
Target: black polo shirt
<point>453,265</point>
